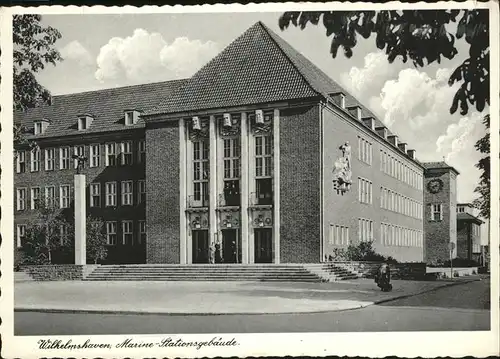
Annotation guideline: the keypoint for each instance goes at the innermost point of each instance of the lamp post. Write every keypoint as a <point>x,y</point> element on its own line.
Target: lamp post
<point>80,213</point>
<point>451,246</point>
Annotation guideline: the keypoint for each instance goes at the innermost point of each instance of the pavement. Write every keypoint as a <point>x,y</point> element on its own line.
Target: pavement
<point>213,298</point>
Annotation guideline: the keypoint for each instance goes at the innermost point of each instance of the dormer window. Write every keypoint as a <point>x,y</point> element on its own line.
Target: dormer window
<point>84,122</point>
<point>40,126</point>
<point>131,117</point>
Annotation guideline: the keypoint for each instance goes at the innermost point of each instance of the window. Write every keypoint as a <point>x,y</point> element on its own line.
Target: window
<point>95,155</point>
<point>38,128</point>
<point>64,233</point>
<point>20,235</point>
<point>201,172</point>
<point>127,193</point>
<point>110,194</point>
<point>50,196</point>
<point>141,151</point>
<point>231,162</point>
<point>78,151</point>
<point>82,123</point>
<point>64,158</point>
<point>365,228</point>
<point>364,151</point>
<point>110,154</point>
<point>436,212</point>
<point>364,190</point>
<point>21,199</point>
<point>111,233</point>
<point>127,233</point>
<point>95,195</point>
<point>35,198</point>
<point>50,162</point>
<point>141,191</point>
<point>339,235</point>
<point>64,196</point>
<point>142,232</point>
<point>129,118</point>
<point>21,162</point>
<point>127,157</point>
<point>263,156</point>
<point>35,160</point>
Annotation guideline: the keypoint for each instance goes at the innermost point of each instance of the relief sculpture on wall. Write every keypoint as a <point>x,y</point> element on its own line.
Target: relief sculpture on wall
<point>342,173</point>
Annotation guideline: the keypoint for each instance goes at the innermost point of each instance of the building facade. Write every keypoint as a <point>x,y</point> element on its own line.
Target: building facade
<point>270,162</point>
<point>468,233</point>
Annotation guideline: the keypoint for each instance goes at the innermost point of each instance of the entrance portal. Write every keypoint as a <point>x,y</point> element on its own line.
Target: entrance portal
<point>231,246</point>
<point>200,246</point>
<point>263,245</point>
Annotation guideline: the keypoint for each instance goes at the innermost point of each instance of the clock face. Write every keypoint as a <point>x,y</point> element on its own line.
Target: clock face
<point>435,186</point>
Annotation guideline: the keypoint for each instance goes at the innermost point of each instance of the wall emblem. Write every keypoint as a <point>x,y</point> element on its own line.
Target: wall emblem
<point>262,218</point>
<point>198,128</point>
<point>261,122</point>
<point>230,220</point>
<point>342,173</point>
<point>435,185</point>
<point>229,125</point>
<point>198,221</point>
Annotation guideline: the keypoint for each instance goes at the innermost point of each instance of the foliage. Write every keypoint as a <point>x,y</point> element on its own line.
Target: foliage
<point>33,50</point>
<point>483,189</point>
<point>457,263</point>
<point>419,35</point>
<point>363,251</point>
<point>96,240</point>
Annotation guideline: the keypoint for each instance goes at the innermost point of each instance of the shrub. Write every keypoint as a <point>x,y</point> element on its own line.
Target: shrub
<point>362,251</point>
<point>96,240</point>
<point>461,262</point>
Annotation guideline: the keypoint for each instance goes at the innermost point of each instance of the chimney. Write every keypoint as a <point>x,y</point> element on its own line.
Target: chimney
<point>402,147</point>
<point>369,122</point>
<point>338,98</point>
<point>355,112</point>
<point>411,154</point>
<point>382,132</point>
<point>393,139</point>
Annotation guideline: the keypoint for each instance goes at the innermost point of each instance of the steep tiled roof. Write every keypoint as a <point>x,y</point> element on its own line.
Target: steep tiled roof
<point>442,164</point>
<point>468,217</point>
<point>107,106</point>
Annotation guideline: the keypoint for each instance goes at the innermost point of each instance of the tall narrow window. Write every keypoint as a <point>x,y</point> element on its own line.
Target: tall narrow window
<point>64,158</point>
<point>141,151</point>
<point>201,173</point>
<point>364,191</point>
<point>141,191</point>
<point>64,233</point>
<point>111,233</point>
<point>231,162</point>
<point>21,235</point>
<point>263,169</point>
<point>127,233</point>
<point>21,162</point>
<point>64,196</point>
<point>110,194</point>
<point>35,160</point>
<point>95,195</point>
<point>126,192</point>
<point>437,212</point>
<point>95,155</point>
<point>49,159</point>
<point>50,196</point>
<point>78,151</point>
<point>126,153</point>
<point>142,232</point>
<point>110,154</point>
<point>35,197</point>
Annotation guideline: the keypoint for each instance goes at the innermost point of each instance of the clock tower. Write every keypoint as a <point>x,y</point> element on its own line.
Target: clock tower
<point>440,218</point>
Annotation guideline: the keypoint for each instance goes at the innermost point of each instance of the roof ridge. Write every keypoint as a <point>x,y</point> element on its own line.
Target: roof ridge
<point>270,33</point>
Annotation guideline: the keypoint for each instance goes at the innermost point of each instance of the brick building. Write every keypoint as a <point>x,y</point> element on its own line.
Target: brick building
<point>257,158</point>
<point>440,198</point>
<point>468,233</point>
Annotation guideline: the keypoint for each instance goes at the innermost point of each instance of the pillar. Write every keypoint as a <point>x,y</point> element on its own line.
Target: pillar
<point>212,181</point>
<point>80,220</point>
<point>184,252</point>
<point>276,185</point>
<point>245,259</point>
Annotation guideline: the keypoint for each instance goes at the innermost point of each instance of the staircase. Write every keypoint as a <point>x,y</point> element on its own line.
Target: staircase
<point>218,272</point>
<point>330,272</point>
<point>22,276</point>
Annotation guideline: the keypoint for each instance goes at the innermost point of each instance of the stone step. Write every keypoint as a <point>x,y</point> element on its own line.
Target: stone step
<point>220,279</point>
<point>22,277</point>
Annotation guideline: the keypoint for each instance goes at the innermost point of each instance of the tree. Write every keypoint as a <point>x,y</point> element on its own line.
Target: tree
<point>423,37</point>
<point>96,240</point>
<point>483,146</point>
<point>33,50</point>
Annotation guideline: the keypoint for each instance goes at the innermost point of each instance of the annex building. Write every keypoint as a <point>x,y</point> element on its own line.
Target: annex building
<point>259,157</point>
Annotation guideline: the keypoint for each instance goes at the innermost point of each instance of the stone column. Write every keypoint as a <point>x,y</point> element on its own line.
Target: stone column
<point>212,181</point>
<point>276,186</point>
<point>80,220</point>
<point>184,252</point>
<point>244,190</point>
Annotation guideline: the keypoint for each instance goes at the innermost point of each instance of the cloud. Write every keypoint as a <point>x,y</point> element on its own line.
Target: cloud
<point>372,76</point>
<point>76,52</point>
<point>147,56</point>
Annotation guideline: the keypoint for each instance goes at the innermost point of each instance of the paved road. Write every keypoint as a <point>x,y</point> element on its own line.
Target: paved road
<point>460,307</point>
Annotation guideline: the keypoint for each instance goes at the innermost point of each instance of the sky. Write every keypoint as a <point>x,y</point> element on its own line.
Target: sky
<point>102,51</point>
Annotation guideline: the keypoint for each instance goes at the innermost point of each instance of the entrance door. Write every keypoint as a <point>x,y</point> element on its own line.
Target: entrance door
<point>231,248</point>
<point>200,246</point>
<point>263,245</point>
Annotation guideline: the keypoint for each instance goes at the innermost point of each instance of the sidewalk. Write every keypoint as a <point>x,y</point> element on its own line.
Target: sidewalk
<point>212,298</point>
